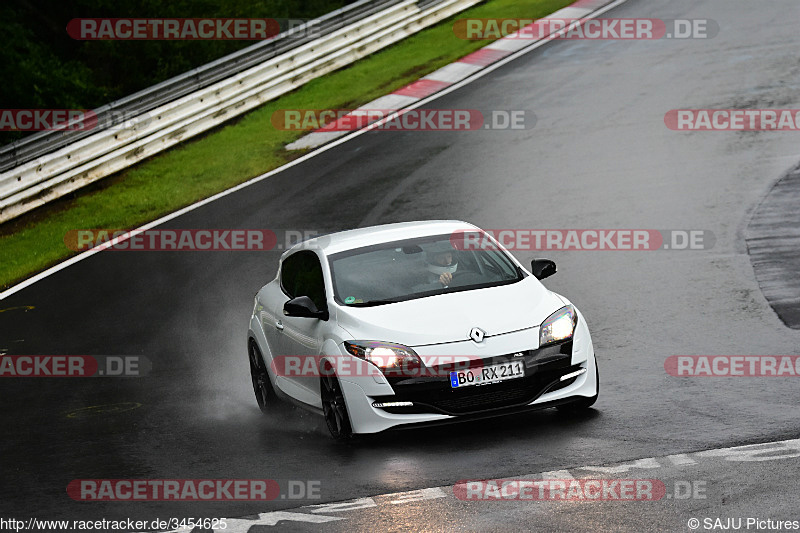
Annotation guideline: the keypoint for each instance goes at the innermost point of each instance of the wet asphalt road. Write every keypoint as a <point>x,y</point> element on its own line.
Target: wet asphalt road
<point>599,157</point>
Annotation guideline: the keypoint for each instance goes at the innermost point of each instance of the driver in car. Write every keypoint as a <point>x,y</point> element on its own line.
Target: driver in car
<point>441,263</point>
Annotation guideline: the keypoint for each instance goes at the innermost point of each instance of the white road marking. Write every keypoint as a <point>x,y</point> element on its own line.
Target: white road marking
<point>417,495</point>
<point>351,505</point>
<point>453,72</point>
<point>647,463</point>
<point>768,451</point>
<point>557,474</point>
<point>681,459</point>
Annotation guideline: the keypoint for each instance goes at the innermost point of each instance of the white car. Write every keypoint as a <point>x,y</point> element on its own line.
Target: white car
<point>416,323</point>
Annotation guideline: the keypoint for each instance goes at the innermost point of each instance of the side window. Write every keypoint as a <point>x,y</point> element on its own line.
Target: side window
<point>491,260</point>
<point>301,275</point>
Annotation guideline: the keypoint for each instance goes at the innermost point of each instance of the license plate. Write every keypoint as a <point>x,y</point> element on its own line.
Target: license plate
<point>487,374</point>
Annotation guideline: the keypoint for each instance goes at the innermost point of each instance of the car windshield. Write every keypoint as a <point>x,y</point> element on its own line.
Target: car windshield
<point>409,269</point>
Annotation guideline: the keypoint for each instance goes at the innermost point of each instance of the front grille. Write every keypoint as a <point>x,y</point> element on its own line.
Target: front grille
<point>543,370</point>
<point>487,400</point>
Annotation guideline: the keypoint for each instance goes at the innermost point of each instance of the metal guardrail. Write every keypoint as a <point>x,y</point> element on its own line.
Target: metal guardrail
<point>99,153</point>
<point>115,113</point>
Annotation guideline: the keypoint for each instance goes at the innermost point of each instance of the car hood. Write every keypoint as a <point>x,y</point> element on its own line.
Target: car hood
<point>450,317</point>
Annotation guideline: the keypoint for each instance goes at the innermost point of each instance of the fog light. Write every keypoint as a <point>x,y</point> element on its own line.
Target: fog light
<point>392,404</point>
<point>573,374</point>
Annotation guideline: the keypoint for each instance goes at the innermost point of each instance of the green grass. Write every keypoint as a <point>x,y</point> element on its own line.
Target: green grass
<point>234,153</point>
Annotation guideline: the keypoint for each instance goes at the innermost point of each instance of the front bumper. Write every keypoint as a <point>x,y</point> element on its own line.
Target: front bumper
<point>435,401</point>
<point>543,369</point>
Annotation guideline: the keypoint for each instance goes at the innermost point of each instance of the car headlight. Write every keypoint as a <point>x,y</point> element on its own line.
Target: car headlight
<point>559,326</point>
<point>388,357</point>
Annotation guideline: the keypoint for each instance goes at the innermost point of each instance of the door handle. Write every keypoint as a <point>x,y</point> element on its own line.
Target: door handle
<point>279,325</point>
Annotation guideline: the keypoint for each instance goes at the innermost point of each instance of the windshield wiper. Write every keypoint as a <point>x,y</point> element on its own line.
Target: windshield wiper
<point>372,303</point>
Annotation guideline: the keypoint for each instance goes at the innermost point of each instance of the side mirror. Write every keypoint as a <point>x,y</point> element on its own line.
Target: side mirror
<point>304,307</point>
<point>542,268</point>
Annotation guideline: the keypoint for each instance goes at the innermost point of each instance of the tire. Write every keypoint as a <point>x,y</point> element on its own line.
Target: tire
<point>582,403</point>
<point>262,386</point>
<point>333,405</point>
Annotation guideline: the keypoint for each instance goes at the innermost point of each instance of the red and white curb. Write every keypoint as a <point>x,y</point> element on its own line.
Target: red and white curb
<point>664,467</point>
<point>452,73</point>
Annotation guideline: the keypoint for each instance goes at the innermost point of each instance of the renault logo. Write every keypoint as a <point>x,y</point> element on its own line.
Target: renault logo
<point>477,334</point>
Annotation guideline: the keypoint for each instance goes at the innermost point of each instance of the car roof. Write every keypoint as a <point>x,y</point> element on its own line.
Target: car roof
<point>357,238</point>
